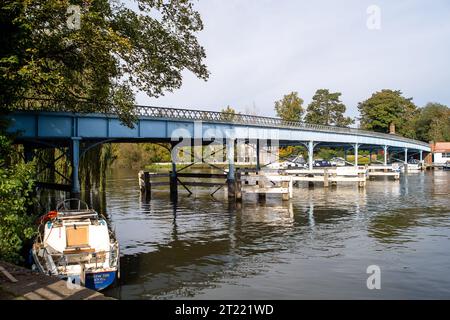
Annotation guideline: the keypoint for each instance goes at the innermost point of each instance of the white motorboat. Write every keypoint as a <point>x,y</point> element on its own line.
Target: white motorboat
<point>75,243</point>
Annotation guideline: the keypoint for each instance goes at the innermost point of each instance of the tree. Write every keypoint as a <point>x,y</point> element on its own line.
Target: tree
<point>386,107</point>
<point>327,109</point>
<point>92,56</point>
<point>290,108</point>
<point>228,114</point>
<point>16,186</point>
<point>433,123</point>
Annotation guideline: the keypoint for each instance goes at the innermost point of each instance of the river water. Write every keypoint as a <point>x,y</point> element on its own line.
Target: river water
<point>316,246</point>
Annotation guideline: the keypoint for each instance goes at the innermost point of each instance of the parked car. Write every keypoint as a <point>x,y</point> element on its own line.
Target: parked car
<point>337,162</point>
<point>322,163</point>
<point>413,161</point>
<point>296,162</point>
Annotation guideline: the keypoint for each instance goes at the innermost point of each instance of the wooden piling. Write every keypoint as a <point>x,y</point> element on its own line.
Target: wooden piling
<point>285,196</point>
<point>173,185</point>
<point>238,186</point>
<point>261,185</point>
<point>325,178</point>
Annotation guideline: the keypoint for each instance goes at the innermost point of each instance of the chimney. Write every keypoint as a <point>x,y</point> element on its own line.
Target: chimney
<point>392,128</point>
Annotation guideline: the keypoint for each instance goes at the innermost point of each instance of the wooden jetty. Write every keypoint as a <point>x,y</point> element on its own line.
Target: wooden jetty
<point>17,283</point>
<point>374,171</point>
<point>251,181</point>
<point>329,175</point>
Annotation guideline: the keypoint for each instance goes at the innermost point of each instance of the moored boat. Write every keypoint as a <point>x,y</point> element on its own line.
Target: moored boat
<point>76,244</point>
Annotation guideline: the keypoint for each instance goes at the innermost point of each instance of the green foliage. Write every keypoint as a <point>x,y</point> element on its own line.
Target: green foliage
<point>16,187</point>
<point>97,66</point>
<point>290,107</point>
<point>228,114</point>
<point>433,123</point>
<point>326,108</point>
<point>386,107</point>
<point>133,155</point>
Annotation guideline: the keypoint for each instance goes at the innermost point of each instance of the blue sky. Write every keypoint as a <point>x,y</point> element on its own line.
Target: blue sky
<point>259,50</point>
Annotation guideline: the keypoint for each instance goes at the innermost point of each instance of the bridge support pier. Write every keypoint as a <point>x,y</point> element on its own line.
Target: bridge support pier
<point>258,163</point>
<point>385,150</point>
<point>406,159</point>
<point>421,156</point>
<point>75,154</point>
<point>231,181</point>
<point>356,147</point>
<point>310,154</point>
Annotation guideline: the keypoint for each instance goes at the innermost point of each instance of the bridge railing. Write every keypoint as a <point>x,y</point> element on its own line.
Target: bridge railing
<point>35,104</point>
<point>215,116</point>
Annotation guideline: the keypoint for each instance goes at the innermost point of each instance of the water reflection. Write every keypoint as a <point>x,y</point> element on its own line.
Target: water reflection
<point>318,245</point>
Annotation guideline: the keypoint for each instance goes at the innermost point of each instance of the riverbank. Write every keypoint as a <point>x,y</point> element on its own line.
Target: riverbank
<point>18,283</point>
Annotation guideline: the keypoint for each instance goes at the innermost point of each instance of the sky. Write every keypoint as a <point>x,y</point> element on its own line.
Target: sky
<point>259,50</point>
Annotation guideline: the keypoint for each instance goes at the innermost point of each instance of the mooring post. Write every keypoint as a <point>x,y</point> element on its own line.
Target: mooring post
<point>147,183</point>
<point>238,186</point>
<point>325,178</point>
<point>356,154</point>
<point>75,153</point>
<point>285,195</point>
<point>173,181</point>
<point>261,185</point>
<point>231,170</point>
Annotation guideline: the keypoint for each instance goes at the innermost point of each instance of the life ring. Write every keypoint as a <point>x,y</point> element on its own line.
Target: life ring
<point>48,216</point>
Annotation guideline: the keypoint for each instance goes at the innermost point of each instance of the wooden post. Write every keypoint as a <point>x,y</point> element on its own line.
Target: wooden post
<point>173,182</point>
<point>291,188</point>
<point>310,183</point>
<point>362,181</point>
<point>285,195</point>
<point>147,182</point>
<point>261,184</point>
<point>334,182</point>
<point>231,182</point>
<point>238,186</point>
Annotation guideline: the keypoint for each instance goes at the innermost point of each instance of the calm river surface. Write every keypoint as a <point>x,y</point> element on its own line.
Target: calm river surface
<point>318,245</point>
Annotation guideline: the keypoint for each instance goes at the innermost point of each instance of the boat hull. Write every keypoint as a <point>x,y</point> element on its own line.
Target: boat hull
<point>100,280</point>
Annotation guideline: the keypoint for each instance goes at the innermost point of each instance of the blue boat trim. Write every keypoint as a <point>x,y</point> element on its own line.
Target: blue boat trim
<point>100,280</point>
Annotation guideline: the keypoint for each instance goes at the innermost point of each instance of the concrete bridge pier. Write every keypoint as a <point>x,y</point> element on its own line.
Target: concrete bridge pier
<point>75,159</point>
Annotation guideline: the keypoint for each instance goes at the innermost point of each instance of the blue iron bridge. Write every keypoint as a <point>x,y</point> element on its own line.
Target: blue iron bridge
<point>81,131</point>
